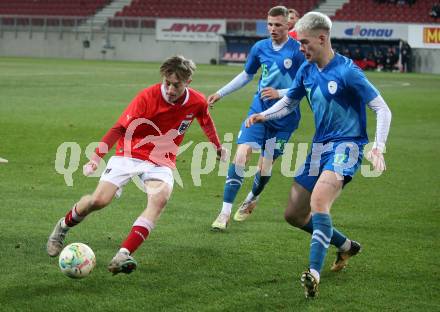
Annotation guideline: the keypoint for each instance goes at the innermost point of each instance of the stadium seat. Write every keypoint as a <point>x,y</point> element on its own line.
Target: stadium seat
<point>231,9</point>
<point>52,7</point>
<point>227,56</point>
<point>372,11</point>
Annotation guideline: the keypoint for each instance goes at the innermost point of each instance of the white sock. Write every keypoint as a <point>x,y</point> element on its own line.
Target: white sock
<point>315,274</point>
<point>250,196</point>
<point>124,250</point>
<point>75,215</point>
<point>346,245</point>
<point>226,208</point>
<point>64,225</point>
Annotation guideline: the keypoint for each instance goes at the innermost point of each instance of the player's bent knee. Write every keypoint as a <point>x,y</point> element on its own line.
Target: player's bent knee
<point>240,160</point>
<point>242,155</point>
<point>160,196</point>
<point>294,219</point>
<point>319,204</point>
<point>161,201</point>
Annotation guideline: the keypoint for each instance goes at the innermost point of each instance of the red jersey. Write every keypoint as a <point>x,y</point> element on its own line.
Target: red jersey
<point>293,34</point>
<point>152,129</point>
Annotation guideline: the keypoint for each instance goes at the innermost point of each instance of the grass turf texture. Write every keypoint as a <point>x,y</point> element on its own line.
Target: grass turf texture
<point>183,266</point>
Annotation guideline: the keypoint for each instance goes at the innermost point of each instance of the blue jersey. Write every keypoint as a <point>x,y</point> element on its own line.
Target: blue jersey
<point>278,70</point>
<point>337,96</point>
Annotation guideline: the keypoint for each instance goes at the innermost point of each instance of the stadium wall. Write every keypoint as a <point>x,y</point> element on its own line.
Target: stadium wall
<point>426,61</point>
<point>145,47</point>
<point>128,47</point>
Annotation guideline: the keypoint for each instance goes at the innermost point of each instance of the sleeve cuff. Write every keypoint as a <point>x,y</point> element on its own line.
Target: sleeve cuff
<point>379,146</point>
<point>282,92</point>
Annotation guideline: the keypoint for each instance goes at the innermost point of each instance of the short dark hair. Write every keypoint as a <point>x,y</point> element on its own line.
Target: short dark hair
<point>278,10</point>
<point>178,65</point>
<point>294,12</point>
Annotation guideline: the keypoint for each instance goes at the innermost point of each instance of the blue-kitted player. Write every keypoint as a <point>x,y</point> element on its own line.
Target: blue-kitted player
<point>279,59</point>
<point>338,92</point>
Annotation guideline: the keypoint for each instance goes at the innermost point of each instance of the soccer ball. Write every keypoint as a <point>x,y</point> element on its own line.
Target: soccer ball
<point>77,260</point>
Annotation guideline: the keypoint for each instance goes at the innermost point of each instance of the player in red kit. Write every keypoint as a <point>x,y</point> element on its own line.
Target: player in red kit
<point>293,18</point>
<point>148,134</point>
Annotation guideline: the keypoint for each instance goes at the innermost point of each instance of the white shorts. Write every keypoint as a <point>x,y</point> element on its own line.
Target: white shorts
<point>120,170</point>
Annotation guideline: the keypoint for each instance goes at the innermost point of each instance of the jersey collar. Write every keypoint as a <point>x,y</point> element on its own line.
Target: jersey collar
<point>164,95</point>
<point>278,47</point>
<point>329,64</point>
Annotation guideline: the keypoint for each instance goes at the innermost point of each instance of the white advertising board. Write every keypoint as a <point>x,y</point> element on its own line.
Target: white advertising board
<point>373,31</point>
<point>424,36</point>
<point>205,30</point>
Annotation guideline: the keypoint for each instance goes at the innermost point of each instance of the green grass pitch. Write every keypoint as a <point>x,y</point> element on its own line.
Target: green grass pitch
<point>254,266</point>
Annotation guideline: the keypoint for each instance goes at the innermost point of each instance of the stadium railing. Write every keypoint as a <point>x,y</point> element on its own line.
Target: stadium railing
<point>75,24</point>
<point>82,24</point>
<point>43,23</point>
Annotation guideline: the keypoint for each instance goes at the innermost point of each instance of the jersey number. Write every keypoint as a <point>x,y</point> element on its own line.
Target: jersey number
<point>264,71</point>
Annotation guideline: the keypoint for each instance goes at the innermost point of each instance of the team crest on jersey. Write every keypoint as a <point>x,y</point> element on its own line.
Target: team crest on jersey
<point>184,125</point>
<point>287,63</point>
<point>332,87</point>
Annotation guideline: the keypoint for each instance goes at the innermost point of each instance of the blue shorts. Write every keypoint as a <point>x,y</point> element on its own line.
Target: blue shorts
<point>342,157</point>
<point>260,135</point>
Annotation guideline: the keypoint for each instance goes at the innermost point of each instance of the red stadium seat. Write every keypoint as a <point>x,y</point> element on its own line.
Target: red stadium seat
<point>227,56</point>
<point>371,11</point>
<point>231,9</point>
<point>52,7</point>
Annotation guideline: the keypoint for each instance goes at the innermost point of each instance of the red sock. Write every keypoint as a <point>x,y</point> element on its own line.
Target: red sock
<point>136,237</point>
<point>72,218</point>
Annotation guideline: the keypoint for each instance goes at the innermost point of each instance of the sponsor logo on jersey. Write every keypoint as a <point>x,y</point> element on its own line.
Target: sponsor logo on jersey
<point>184,125</point>
<point>287,63</point>
<point>332,87</point>
<point>189,115</point>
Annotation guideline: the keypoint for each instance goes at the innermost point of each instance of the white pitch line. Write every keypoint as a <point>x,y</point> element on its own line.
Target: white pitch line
<point>393,84</point>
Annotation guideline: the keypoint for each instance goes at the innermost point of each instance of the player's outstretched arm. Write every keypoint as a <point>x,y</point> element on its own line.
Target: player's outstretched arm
<point>280,109</point>
<point>375,156</point>
<point>223,154</point>
<point>208,127</point>
<point>107,142</point>
<point>90,167</point>
<point>238,82</point>
<point>383,122</point>
<point>212,99</point>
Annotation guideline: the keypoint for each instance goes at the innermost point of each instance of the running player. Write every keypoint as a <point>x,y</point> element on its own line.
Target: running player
<point>338,93</point>
<point>279,59</point>
<point>148,134</point>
